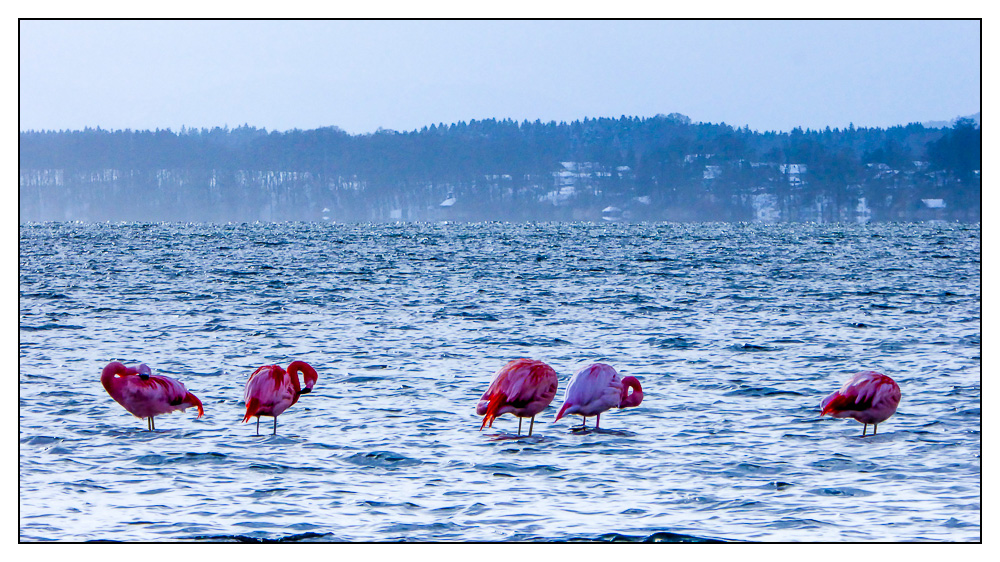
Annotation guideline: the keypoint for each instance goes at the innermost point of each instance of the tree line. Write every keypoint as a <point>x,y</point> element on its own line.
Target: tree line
<point>650,168</point>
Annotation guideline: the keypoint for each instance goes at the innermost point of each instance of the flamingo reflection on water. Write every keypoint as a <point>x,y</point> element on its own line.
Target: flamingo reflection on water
<point>523,387</point>
<point>146,395</point>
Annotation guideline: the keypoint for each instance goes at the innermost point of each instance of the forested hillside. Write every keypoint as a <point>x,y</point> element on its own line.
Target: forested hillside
<point>629,168</point>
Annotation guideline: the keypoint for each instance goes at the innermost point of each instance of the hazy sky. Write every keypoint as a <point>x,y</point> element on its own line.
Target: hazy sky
<point>362,75</point>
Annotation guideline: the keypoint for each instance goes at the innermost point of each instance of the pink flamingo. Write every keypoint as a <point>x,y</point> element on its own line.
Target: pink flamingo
<point>597,388</point>
<point>271,390</point>
<point>144,394</point>
<point>523,387</point>
<point>869,397</point>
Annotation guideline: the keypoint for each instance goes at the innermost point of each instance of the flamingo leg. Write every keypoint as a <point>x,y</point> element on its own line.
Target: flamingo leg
<point>864,431</point>
<point>598,426</point>
<point>152,421</point>
<point>149,424</point>
<point>275,426</point>
<point>532,426</point>
<point>874,430</point>
<point>258,425</point>
<point>519,420</point>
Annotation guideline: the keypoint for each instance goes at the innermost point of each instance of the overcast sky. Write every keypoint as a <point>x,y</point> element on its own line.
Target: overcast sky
<point>403,75</point>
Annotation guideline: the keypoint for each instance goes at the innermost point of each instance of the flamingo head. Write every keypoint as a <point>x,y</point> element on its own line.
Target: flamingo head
<point>634,399</point>
<point>144,371</point>
<point>562,411</point>
<point>309,374</point>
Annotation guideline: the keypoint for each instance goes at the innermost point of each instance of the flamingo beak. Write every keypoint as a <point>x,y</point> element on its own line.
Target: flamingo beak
<point>144,376</point>
<point>306,390</point>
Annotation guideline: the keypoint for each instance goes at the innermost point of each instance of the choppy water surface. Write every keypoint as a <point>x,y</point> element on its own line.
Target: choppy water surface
<point>736,332</point>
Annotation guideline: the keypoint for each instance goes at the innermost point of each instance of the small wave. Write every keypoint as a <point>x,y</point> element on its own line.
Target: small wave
<point>41,440</point>
<point>359,379</point>
<point>659,536</point>
<point>678,342</point>
<point>301,537</point>
<point>481,316</point>
<point>539,341</point>
<point>795,523</point>
<point>51,327</point>
<point>436,528</point>
<point>280,468</point>
<point>45,295</point>
<point>617,299</point>
<point>406,505</point>
<point>849,492</point>
<point>649,309</point>
<point>267,493</point>
<point>155,459</point>
<point>503,469</point>
<point>839,462</point>
<point>752,347</point>
<point>384,459</point>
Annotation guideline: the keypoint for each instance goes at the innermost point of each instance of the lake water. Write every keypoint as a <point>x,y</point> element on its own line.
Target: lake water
<point>736,331</point>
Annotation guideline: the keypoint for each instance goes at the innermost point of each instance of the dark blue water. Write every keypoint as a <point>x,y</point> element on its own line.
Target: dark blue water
<point>736,331</point>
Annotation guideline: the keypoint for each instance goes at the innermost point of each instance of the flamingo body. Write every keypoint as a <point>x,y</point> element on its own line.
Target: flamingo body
<point>597,388</point>
<point>868,397</point>
<point>144,394</point>
<point>523,387</point>
<point>270,390</point>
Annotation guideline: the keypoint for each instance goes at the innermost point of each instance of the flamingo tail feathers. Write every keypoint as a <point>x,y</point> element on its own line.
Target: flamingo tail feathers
<point>497,400</point>
<point>252,406</point>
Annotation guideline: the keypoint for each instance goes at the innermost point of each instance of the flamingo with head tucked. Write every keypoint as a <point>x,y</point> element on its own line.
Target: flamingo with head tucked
<point>596,388</point>
<point>146,395</point>
<point>869,397</point>
<point>270,390</point>
<point>523,387</point>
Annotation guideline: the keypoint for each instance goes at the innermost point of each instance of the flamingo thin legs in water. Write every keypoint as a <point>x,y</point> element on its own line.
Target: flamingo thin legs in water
<point>584,426</point>
<point>530,427</point>
<point>275,432</point>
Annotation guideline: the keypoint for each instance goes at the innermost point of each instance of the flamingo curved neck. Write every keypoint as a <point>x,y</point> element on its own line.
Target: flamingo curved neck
<point>635,398</point>
<point>115,371</point>
<point>309,375</point>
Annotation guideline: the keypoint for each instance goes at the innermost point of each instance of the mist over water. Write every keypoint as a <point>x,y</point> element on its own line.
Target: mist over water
<point>736,331</point>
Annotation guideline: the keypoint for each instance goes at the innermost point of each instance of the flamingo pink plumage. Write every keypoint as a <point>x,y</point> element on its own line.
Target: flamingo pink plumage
<point>597,388</point>
<point>271,390</point>
<point>144,394</point>
<point>523,387</point>
<point>869,397</point>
